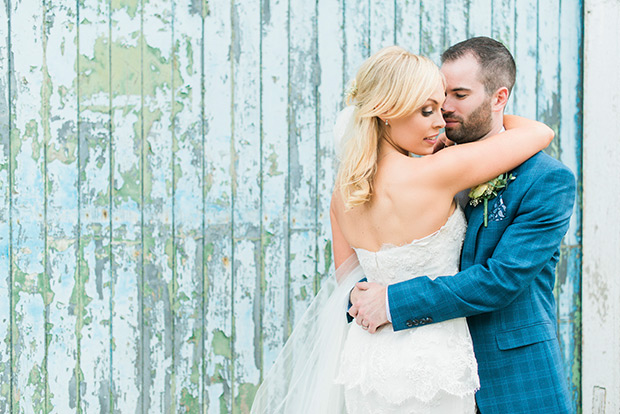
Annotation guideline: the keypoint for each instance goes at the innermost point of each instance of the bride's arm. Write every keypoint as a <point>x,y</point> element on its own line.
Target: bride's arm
<point>342,249</point>
<point>463,166</point>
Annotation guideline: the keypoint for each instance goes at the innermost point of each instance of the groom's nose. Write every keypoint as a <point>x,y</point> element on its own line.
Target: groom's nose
<point>446,113</point>
<point>447,108</point>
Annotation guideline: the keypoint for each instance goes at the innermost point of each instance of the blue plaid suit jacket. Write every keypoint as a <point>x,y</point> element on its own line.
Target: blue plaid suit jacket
<point>505,288</point>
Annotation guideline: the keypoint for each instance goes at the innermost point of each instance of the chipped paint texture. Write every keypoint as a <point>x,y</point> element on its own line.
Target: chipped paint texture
<point>166,171</point>
<point>601,231</point>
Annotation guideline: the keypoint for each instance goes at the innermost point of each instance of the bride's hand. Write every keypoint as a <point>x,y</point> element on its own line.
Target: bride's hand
<point>368,305</point>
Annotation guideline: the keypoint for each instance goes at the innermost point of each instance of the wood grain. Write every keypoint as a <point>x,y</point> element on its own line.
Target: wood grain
<point>218,195</point>
<point>5,217</point>
<point>62,204</point>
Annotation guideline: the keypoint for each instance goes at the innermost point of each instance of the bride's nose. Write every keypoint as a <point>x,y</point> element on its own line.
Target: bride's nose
<point>439,122</point>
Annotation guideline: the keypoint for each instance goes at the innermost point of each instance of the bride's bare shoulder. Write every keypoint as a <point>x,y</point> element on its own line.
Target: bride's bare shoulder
<point>407,171</point>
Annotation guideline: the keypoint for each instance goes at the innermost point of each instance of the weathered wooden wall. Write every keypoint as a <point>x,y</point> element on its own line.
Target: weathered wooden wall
<point>601,198</point>
<point>165,174</point>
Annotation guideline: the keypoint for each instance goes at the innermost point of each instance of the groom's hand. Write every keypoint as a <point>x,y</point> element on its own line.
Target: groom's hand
<point>442,142</point>
<point>368,305</point>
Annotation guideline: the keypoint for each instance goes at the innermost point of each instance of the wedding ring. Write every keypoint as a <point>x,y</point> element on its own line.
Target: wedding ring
<point>364,327</point>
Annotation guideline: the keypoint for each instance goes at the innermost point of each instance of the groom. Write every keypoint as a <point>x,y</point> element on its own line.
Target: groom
<point>505,286</point>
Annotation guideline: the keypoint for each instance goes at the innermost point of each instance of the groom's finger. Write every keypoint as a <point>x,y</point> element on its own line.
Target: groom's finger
<point>362,285</point>
<point>353,311</point>
<point>372,324</point>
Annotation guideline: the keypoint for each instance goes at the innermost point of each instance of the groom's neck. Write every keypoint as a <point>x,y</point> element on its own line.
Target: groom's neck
<point>497,127</point>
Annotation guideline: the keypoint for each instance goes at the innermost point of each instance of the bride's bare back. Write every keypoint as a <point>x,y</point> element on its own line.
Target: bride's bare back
<point>403,207</point>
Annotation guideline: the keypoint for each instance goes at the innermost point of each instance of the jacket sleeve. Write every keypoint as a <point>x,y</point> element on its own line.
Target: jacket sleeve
<point>525,247</point>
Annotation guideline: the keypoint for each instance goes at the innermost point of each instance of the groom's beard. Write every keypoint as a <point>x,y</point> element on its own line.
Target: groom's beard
<point>472,128</point>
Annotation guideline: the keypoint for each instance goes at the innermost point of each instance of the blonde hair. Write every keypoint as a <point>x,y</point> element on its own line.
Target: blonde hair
<point>392,83</point>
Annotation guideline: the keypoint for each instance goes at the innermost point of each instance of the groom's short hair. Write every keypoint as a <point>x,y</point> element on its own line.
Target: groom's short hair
<point>497,66</point>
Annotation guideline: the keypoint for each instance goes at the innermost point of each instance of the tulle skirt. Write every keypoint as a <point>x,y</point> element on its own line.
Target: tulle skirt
<point>302,378</point>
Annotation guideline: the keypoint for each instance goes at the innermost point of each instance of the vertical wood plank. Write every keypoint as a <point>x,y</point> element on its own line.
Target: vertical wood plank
<point>302,158</point>
<point>569,283</point>
<point>480,20</point>
<point>548,104</point>
<point>60,129</point>
<point>502,30</point>
<point>159,77</point>
<point>356,36</point>
<point>408,25</point>
<point>5,215</point>
<point>330,101</point>
<point>456,15</point>
<point>92,301</point>
<point>570,84</point>
<point>525,54</point>
<point>28,212</point>
<point>503,20</point>
<point>431,39</point>
<point>218,35</point>
<point>246,19</point>
<point>382,22</point>
<point>188,210</point>
<point>601,231</point>
<point>274,180</point>
<point>127,193</point>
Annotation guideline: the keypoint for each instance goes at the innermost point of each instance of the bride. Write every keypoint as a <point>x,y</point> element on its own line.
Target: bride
<point>393,217</point>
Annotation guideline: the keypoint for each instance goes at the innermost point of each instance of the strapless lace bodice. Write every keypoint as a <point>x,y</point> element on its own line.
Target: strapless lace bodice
<point>434,255</point>
<point>429,369</point>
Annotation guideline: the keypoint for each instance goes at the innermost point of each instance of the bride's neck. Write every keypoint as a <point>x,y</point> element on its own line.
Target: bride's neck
<point>387,147</point>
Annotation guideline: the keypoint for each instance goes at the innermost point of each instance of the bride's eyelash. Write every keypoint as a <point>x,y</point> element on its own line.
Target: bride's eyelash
<point>427,112</point>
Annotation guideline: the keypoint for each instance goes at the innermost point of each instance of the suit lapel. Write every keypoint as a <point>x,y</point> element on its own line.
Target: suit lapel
<point>475,220</point>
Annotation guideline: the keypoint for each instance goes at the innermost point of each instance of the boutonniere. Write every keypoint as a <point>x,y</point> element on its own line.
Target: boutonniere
<point>484,192</point>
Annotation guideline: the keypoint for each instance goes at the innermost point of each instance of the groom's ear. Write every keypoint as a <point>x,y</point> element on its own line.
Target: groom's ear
<point>500,99</point>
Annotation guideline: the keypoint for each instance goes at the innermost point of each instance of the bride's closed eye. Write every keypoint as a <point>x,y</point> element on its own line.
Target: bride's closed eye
<point>427,112</point>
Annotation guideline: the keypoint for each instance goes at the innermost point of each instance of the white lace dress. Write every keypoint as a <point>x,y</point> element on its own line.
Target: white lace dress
<point>429,369</point>
<point>329,366</point>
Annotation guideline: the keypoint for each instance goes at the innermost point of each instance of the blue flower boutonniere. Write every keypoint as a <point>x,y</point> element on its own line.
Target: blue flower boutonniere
<point>484,192</point>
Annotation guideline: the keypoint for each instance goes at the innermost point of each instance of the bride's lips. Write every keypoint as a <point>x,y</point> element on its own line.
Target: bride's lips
<point>432,139</point>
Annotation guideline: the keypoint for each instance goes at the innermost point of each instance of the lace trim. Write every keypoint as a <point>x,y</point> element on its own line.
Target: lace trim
<point>431,360</point>
<point>436,255</point>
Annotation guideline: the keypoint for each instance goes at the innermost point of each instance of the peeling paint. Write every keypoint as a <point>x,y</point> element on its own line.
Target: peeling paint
<point>164,195</point>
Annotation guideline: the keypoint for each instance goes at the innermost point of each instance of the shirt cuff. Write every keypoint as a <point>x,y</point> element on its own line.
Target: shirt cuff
<point>387,306</point>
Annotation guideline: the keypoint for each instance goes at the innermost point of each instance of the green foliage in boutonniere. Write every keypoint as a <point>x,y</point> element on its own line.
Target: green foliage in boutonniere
<point>484,192</point>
